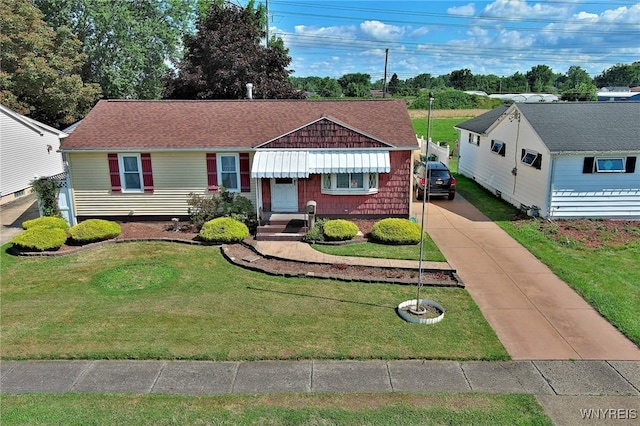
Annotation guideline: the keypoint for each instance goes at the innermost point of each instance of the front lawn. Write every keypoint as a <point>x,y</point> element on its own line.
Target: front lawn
<point>296,409</point>
<point>606,276</point>
<point>170,301</point>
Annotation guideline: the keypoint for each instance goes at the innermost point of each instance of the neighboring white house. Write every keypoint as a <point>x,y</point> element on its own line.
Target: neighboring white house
<point>28,149</point>
<point>558,160</point>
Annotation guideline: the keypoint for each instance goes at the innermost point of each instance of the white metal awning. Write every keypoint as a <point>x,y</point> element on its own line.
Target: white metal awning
<point>280,164</point>
<point>300,164</point>
<point>349,162</point>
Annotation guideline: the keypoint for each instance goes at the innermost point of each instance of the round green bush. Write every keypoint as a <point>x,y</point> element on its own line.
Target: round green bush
<point>396,231</point>
<point>340,230</point>
<point>92,230</point>
<point>40,238</point>
<point>224,230</point>
<point>46,221</point>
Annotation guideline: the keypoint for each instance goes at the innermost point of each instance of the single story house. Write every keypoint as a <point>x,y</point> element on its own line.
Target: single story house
<point>558,160</point>
<point>28,150</point>
<point>140,159</point>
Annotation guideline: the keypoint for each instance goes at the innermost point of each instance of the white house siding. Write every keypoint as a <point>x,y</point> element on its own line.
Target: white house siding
<point>593,195</point>
<point>175,175</point>
<point>494,172</point>
<point>24,156</point>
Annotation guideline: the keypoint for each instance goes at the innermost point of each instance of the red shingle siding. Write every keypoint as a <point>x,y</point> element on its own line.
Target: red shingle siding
<point>392,198</point>
<point>325,134</point>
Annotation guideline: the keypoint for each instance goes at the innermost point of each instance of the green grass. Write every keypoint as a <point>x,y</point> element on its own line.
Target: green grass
<point>441,130</point>
<point>199,306</point>
<point>607,278</point>
<point>289,409</point>
<point>385,251</point>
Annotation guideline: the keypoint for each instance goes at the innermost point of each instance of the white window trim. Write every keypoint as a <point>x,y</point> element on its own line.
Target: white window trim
<point>495,144</point>
<point>334,190</point>
<point>121,170</point>
<point>526,153</point>
<point>622,161</point>
<point>219,170</point>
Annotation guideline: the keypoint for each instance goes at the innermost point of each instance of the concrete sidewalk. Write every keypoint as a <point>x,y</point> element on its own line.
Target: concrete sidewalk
<point>12,215</point>
<point>552,378</point>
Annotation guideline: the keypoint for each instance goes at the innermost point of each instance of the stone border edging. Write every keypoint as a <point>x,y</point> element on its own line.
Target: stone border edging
<point>256,268</point>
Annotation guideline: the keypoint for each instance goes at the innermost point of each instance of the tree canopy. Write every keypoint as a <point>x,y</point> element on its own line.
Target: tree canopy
<point>226,53</point>
<point>128,43</point>
<point>40,67</point>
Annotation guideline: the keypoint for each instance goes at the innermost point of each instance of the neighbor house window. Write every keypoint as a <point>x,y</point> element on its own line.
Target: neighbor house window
<point>350,183</point>
<point>531,158</point>
<point>474,139</point>
<point>498,147</point>
<point>130,172</point>
<point>609,165</point>
<point>228,172</point>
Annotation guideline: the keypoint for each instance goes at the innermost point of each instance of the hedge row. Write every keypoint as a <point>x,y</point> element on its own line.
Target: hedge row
<point>50,233</point>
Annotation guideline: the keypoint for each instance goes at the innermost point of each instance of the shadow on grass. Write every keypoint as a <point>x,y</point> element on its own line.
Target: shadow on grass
<point>321,297</point>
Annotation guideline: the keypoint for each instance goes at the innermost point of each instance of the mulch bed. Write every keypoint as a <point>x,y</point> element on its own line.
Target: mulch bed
<point>236,253</point>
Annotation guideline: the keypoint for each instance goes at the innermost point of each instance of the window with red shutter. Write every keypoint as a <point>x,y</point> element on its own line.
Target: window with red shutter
<point>147,173</point>
<point>212,173</point>
<point>114,173</point>
<point>245,173</point>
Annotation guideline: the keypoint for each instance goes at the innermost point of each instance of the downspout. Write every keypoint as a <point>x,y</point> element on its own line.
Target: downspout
<point>71,200</point>
<point>552,170</point>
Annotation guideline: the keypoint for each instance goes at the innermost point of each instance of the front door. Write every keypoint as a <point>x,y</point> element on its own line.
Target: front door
<point>284,195</point>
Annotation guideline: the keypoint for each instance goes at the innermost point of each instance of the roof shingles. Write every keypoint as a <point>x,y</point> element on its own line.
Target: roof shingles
<point>193,125</point>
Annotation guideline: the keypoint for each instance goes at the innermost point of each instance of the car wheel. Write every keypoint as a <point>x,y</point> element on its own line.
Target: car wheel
<point>452,195</point>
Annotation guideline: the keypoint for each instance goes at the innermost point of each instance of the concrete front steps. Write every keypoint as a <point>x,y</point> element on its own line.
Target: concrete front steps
<point>282,227</point>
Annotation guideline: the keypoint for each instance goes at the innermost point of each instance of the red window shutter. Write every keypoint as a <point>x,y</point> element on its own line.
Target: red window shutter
<point>147,173</point>
<point>245,173</point>
<point>114,173</point>
<point>212,173</point>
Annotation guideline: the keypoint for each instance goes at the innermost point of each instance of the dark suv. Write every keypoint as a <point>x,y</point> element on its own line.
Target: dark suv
<point>441,181</point>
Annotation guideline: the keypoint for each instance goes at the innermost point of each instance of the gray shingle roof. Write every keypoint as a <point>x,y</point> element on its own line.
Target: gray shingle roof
<point>481,123</point>
<point>575,126</point>
<point>586,126</point>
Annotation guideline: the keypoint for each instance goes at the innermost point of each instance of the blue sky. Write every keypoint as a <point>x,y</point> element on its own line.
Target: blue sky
<point>333,38</point>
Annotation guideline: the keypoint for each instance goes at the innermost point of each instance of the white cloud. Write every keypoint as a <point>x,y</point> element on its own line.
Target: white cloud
<point>521,9</point>
<point>419,32</point>
<point>467,10</point>
<point>381,31</point>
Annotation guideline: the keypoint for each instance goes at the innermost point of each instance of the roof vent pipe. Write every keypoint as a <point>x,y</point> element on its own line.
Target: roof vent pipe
<point>249,91</point>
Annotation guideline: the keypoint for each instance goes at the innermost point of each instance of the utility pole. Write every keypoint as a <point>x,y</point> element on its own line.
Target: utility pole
<point>384,83</point>
<point>266,2</point>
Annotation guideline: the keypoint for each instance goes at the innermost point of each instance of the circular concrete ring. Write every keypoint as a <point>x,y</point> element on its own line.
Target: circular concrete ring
<point>410,318</point>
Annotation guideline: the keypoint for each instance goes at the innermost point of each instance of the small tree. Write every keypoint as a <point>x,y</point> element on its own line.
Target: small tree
<point>47,194</point>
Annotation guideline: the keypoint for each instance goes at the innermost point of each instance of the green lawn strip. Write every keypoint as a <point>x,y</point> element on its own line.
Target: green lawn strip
<point>202,307</point>
<point>385,251</point>
<point>607,278</point>
<point>282,409</point>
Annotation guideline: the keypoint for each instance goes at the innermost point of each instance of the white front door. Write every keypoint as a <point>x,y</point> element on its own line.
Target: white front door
<point>284,195</point>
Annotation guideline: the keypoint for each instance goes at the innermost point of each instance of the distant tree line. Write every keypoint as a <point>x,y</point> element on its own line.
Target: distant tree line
<point>576,84</point>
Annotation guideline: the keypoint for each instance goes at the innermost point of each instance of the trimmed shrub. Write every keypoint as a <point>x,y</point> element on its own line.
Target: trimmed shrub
<point>224,230</point>
<point>340,230</point>
<point>40,238</point>
<point>316,233</point>
<point>47,222</point>
<point>396,231</point>
<point>92,230</point>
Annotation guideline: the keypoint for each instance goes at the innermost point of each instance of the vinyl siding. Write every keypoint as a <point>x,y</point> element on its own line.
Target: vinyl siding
<point>175,175</point>
<point>594,195</point>
<point>24,155</point>
<point>494,172</point>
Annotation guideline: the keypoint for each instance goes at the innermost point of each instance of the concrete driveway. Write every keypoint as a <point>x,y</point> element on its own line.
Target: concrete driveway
<point>534,313</point>
<point>14,213</point>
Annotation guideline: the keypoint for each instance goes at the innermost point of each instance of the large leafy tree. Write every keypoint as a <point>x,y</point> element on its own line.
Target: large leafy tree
<point>128,43</point>
<point>540,78</point>
<point>40,67</point>
<point>355,85</point>
<point>226,53</point>
<point>577,85</point>
<point>461,79</point>
<point>626,75</point>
